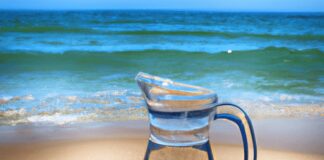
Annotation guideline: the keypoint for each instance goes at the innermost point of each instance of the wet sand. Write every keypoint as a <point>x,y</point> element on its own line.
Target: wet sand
<point>296,139</point>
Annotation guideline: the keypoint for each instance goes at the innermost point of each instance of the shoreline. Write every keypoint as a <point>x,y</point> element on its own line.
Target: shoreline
<point>104,139</point>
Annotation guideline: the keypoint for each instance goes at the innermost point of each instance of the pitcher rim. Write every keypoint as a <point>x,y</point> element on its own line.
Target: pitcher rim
<point>203,94</point>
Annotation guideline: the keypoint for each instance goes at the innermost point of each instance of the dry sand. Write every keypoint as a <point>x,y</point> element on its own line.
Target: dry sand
<point>280,139</point>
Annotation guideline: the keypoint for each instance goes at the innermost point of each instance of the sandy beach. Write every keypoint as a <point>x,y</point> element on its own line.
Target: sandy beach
<point>296,139</point>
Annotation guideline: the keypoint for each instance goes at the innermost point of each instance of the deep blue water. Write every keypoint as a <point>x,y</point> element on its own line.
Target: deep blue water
<point>67,63</point>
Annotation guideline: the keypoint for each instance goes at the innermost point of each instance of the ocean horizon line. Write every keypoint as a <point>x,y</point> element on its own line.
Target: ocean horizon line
<point>159,10</point>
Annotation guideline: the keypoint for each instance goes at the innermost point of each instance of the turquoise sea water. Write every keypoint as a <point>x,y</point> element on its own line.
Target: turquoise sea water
<point>69,66</point>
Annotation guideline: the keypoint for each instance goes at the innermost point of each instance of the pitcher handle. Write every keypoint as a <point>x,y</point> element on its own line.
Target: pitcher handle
<point>237,115</point>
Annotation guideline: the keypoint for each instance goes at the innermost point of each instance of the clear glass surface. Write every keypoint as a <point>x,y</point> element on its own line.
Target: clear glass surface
<point>179,114</point>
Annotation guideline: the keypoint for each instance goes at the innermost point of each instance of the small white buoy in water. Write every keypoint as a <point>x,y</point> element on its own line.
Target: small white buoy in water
<point>229,51</point>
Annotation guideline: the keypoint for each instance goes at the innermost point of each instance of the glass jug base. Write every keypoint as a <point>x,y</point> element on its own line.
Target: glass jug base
<point>152,147</point>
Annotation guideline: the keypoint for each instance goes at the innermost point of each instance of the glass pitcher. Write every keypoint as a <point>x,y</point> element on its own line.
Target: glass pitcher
<point>180,116</point>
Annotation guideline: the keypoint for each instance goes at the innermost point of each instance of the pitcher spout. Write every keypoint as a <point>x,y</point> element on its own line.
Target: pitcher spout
<point>165,94</point>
